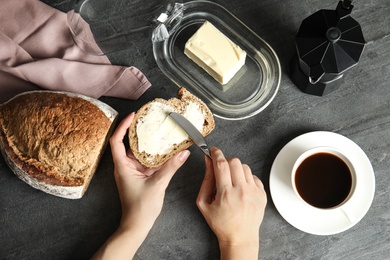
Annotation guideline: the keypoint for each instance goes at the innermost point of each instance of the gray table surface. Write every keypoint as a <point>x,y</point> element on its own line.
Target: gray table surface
<point>34,225</point>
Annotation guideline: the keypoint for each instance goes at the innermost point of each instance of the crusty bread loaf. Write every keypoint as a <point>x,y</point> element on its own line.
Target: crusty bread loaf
<point>178,105</point>
<point>54,140</point>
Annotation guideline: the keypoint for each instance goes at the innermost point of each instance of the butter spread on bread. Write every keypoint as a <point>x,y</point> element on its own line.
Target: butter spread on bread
<point>155,137</point>
<point>54,140</point>
<point>157,132</point>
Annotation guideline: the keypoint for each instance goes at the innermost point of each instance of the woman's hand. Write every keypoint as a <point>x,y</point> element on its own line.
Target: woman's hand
<point>141,191</point>
<point>232,200</point>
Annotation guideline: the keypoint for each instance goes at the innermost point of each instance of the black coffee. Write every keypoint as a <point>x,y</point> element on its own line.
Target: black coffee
<point>323,180</point>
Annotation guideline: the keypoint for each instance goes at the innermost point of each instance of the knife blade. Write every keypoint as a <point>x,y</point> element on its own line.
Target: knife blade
<point>192,132</point>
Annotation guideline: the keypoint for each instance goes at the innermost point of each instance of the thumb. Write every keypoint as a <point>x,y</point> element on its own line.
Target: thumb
<point>169,169</point>
<point>207,189</point>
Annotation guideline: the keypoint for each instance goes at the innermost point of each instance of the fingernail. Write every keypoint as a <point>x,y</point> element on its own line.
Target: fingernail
<point>183,155</point>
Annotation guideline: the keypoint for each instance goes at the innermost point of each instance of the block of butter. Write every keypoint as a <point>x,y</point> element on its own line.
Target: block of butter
<point>215,53</point>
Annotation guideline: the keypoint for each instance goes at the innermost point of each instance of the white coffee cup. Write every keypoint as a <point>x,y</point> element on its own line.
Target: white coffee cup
<point>323,178</point>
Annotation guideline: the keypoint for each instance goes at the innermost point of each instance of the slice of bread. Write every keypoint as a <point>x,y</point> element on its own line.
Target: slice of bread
<point>53,141</point>
<point>180,105</point>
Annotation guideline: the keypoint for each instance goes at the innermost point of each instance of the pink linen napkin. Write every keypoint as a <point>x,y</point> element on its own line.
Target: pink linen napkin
<point>37,51</point>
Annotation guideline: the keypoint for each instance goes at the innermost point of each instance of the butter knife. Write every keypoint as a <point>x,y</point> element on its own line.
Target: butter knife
<point>192,131</point>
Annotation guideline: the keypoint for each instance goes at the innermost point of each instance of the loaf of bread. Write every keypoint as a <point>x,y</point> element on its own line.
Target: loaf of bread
<point>54,140</point>
<point>155,137</point>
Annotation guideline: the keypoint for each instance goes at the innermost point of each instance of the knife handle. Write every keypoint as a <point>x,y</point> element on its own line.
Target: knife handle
<point>205,150</point>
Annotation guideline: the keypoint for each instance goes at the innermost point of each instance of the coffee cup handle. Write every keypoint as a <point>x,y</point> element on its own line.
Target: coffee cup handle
<point>348,213</point>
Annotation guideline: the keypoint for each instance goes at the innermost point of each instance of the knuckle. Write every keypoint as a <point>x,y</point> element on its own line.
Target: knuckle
<point>246,167</point>
<point>234,161</point>
<point>222,163</point>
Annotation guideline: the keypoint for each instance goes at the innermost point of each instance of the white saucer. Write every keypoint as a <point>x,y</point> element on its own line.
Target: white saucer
<point>317,221</point>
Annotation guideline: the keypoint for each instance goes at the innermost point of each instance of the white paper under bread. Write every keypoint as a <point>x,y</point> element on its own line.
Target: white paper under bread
<point>74,192</point>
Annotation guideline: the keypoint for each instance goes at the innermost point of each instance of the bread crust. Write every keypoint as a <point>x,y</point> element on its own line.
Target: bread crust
<point>44,135</point>
<point>179,104</point>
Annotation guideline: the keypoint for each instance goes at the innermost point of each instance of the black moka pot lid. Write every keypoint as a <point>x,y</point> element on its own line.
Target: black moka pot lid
<point>329,42</point>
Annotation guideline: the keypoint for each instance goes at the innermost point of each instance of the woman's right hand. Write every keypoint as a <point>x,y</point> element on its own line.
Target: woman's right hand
<point>232,200</point>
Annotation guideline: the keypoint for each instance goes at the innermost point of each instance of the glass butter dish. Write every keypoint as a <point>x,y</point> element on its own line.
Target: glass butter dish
<point>248,92</point>
<point>118,25</point>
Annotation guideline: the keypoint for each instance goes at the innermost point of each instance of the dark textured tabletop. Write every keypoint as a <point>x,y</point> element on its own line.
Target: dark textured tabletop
<point>35,225</point>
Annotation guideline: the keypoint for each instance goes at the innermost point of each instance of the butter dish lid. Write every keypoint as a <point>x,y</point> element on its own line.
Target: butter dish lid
<point>101,27</point>
<point>253,87</point>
